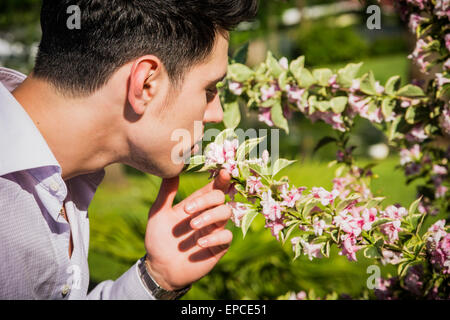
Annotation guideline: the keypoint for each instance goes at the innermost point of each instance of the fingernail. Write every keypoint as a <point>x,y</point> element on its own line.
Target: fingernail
<point>196,223</point>
<point>190,207</point>
<point>202,242</point>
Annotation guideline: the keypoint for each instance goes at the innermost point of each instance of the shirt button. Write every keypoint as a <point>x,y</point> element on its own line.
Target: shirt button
<point>65,290</point>
<point>54,186</point>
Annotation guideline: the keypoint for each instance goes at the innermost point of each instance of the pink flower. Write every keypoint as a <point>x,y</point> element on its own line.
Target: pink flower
<point>254,185</point>
<point>349,247</point>
<point>419,54</point>
<point>378,87</point>
<point>414,21</point>
<point>265,157</point>
<point>394,212</point>
<point>219,154</point>
<point>271,208</point>
<point>417,134</point>
<point>325,197</point>
<point>284,63</point>
<point>442,10</point>
<point>391,257</point>
<point>441,80</point>
<point>437,169</point>
<point>318,226</point>
<point>265,116</point>
<point>447,62</point>
<point>444,120</point>
<point>294,93</point>
<point>356,85</point>
<point>239,210</point>
<point>235,87</point>
<point>440,191</point>
<point>275,226</point>
<point>334,119</point>
<point>290,197</point>
<point>391,229</point>
<point>407,156</point>
<point>270,92</point>
<point>333,83</point>
<point>369,216</point>
<point>418,3</point>
<point>312,250</point>
<point>412,280</point>
<point>232,168</point>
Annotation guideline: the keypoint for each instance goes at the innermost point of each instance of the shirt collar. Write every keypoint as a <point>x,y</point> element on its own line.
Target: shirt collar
<point>21,143</point>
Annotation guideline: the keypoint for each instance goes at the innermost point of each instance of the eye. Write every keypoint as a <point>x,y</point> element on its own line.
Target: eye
<point>211,94</point>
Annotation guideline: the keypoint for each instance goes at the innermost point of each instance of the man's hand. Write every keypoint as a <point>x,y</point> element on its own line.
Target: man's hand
<point>184,242</point>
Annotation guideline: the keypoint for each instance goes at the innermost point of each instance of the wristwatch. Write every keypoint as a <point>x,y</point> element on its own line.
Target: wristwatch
<point>158,292</point>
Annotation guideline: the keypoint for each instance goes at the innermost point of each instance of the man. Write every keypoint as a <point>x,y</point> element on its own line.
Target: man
<point>112,91</point>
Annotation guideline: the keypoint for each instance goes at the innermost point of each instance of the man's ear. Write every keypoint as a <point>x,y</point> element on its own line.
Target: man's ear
<point>142,86</point>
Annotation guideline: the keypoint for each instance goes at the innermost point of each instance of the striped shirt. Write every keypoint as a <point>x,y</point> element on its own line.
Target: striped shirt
<point>34,235</point>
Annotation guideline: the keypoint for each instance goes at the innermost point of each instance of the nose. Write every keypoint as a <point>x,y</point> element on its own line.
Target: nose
<point>214,111</point>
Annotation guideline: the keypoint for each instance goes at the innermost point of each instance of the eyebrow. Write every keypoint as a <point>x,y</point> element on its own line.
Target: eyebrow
<point>215,82</point>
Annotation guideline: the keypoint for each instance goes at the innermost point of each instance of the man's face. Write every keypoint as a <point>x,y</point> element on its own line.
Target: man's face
<point>161,136</point>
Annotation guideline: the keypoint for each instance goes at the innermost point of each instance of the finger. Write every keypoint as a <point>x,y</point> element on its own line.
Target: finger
<point>205,201</point>
<point>218,214</point>
<point>222,237</point>
<point>166,195</point>
<point>221,182</point>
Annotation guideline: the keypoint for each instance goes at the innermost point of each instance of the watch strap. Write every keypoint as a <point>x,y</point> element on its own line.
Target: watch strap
<point>158,292</point>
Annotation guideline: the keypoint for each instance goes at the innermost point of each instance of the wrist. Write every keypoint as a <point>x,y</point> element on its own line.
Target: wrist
<point>157,276</point>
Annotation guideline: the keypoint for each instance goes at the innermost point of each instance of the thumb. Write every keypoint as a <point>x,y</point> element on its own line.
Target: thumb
<point>166,195</point>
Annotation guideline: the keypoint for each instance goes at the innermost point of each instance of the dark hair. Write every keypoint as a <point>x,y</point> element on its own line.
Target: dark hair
<point>114,32</point>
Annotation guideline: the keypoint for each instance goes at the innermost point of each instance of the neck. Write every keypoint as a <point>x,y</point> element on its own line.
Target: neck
<point>79,131</point>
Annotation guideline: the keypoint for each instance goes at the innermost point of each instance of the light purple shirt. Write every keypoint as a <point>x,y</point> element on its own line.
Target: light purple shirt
<point>34,237</point>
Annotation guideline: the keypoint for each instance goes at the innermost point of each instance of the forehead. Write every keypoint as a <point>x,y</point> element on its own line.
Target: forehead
<point>216,64</point>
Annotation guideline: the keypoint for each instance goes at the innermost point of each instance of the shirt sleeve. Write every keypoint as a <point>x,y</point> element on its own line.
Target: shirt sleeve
<point>128,287</point>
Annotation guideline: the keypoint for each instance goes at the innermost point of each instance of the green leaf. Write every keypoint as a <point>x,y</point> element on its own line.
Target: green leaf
<point>392,85</point>
<point>283,80</point>
<point>338,104</point>
<point>393,128</point>
<point>413,207</point>
<point>322,75</point>
<point>371,252</point>
<point>247,221</point>
<point>410,115</point>
<point>387,107</point>
<point>195,162</point>
<point>225,134</point>
<point>304,78</point>
<point>241,54</point>
<point>368,84</point>
<point>246,147</point>
<point>280,164</point>
<point>290,229</point>
<point>323,106</point>
<point>298,250</point>
<point>273,65</point>
<point>297,65</point>
<point>348,73</point>
<point>309,206</point>
<point>278,118</point>
<point>231,114</point>
<point>380,222</point>
<point>410,90</point>
<point>344,203</point>
<point>240,72</point>
<point>374,202</point>
<point>323,142</point>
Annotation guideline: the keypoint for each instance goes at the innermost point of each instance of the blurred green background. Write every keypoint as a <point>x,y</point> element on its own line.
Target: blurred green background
<point>328,33</point>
